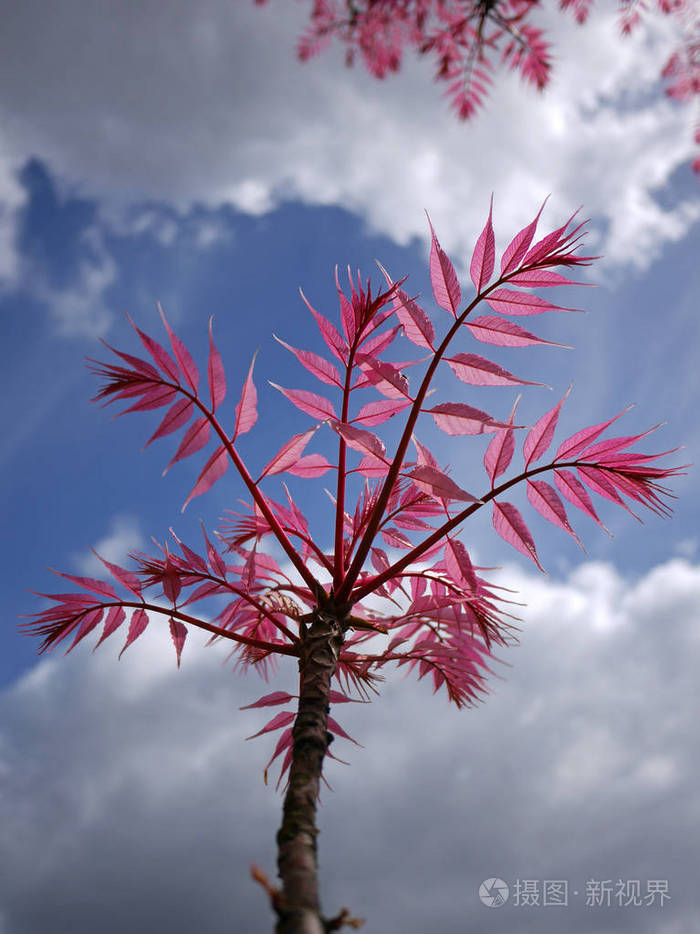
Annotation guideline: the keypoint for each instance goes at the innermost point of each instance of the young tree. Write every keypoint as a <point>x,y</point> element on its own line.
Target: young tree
<point>469,39</point>
<point>396,517</point>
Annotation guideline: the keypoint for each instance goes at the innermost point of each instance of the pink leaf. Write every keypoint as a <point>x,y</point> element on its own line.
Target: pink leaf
<point>334,727</point>
<point>214,468</point>
<point>178,633</point>
<point>87,624</point>
<point>334,341</point>
<point>477,371</point>
<point>540,435</point>
<point>310,466</point>
<point>215,372</point>
<point>443,278</point>
<point>603,449</point>
<point>572,489</point>
<point>455,418</point>
<point>375,413</point>
<point>540,278</point>
<point>193,440</point>
<point>246,410</point>
<point>492,330</point>
<point>127,578</point>
<point>216,561</point>
<point>139,621</point>
<point>545,500</point>
<point>510,525</point>
<point>321,369</point>
<point>178,414</point>
<point>270,700</point>
<point>481,267</point>
<point>360,440</point>
<point>115,618</point>
<point>347,314</point>
<point>417,326</point>
<point>519,246</point>
<point>183,356</point>
<point>289,453</point>
<point>507,302</point>
<point>153,398</point>
<point>309,402</point>
<point>282,719</point>
<point>437,484</point>
<point>458,564</point>
<point>385,376</point>
<point>90,583</point>
<point>161,357</point>
<point>499,453</point>
<point>586,436</point>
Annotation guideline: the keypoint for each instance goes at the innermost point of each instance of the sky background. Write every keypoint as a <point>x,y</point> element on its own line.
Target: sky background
<point>179,153</point>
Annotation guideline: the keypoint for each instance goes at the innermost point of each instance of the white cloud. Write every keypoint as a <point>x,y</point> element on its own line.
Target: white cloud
<point>123,537</point>
<point>122,777</point>
<point>205,102</point>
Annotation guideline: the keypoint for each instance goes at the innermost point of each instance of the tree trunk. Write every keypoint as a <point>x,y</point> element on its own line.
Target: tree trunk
<point>298,907</point>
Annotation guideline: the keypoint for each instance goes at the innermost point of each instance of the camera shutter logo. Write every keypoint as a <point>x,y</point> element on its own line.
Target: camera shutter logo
<point>493,892</point>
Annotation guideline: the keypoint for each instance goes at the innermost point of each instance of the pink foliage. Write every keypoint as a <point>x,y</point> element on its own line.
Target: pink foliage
<point>468,39</point>
<point>423,605</point>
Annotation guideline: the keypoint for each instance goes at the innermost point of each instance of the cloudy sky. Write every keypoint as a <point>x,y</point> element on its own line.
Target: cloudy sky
<point>178,153</point>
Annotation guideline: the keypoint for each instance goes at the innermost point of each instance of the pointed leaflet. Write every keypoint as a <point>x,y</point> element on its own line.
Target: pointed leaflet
<point>546,501</point>
<point>386,377</point>
<point>193,440</point>
<point>87,624</point>
<point>322,369</point>
<point>572,489</point>
<point>492,330</point>
<point>443,277</point>
<point>270,700</point>
<point>437,484</point>
<point>375,413</point>
<point>310,466</point>
<point>161,357</point>
<point>477,371</point>
<point>115,618</point>
<point>215,373</point>
<point>507,302</point>
<point>127,578</point>
<point>334,341</point>
<point>214,468</point>
<point>361,440</point>
<point>282,719</point>
<point>89,583</point>
<point>586,436</point>
<point>246,410</point>
<point>510,525</point>
<point>603,449</point>
<point>484,255</point>
<point>309,402</point>
<point>139,621</point>
<point>541,278</point>
<point>178,633</point>
<point>499,453</point>
<point>153,398</point>
<point>417,326</point>
<point>347,312</point>
<point>540,435</point>
<point>216,561</point>
<point>179,413</point>
<point>519,245</point>
<point>458,564</point>
<point>289,454</point>
<point>182,355</point>
<point>456,418</point>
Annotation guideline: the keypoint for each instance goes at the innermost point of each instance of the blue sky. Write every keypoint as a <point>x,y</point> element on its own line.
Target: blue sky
<point>180,155</point>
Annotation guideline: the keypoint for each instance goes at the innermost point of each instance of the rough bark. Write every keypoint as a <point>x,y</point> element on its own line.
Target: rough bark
<point>298,907</point>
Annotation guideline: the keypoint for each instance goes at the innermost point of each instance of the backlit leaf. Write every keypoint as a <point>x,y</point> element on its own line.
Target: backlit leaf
<point>483,258</point>
<point>214,468</point>
<point>139,621</point>
<point>193,440</point>
<point>540,435</point>
<point>492,330</point>
<point>246,410</point>
<point>443,277</point>
<point>376,413</point>
<point>586,436</point>
<point>215,373</point>
<point>437,484</point>
<point>508,302</point>
<point>510,525</point>
<point>545,500</point>
<point>477,371</point>
<point>183,356</point>
<point>178,633</point>
<point>499,453</point>
<point>456,418</point>
<point>179,413</point>
<point>310,402</point>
